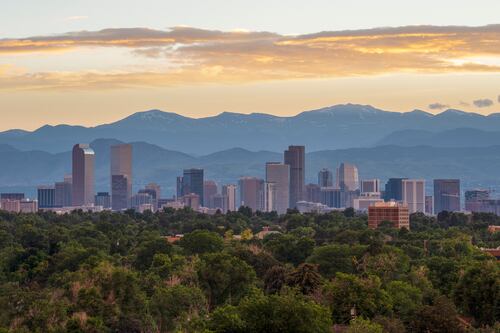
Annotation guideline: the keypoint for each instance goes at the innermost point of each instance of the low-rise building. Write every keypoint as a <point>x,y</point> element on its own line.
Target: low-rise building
<point>391,211</point>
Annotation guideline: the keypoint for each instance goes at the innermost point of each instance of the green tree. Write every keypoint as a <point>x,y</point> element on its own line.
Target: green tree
<point>406,299</point>
<point>305,277</point>
<point>286,312</point>
<point>361,325</point>
<point>224,278</point>
<point>478,292</point>
<point>336,258</point>
<point>440,317</point>
<point>175,305</point>
<point>289,248</point>
<point>202,241</point>
<point>365,296</point>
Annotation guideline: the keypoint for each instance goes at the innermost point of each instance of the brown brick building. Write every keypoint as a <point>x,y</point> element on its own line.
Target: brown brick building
<point>388,211</point>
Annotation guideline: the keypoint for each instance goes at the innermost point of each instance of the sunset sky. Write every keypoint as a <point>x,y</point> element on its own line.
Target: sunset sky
<point>90,62</point>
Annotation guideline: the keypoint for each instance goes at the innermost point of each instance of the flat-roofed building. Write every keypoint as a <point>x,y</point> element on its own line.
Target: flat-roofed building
<point>83,175</point>
<point>446,195</point>
<point>252,193</point>
<point>414,195</point>
<point>392,211</point>
<point>279,175</point>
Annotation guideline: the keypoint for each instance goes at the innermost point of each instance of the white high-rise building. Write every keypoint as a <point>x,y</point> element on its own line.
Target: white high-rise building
<point>279,175</point>
<point>229,198</point>
<point>414,195</point>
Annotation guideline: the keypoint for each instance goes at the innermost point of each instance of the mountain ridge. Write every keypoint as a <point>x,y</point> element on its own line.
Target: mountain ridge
<point>334,127</point>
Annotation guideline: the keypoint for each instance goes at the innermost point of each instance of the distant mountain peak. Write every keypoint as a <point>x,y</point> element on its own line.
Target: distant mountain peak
<point>455,112</point>
<point>421,112</point>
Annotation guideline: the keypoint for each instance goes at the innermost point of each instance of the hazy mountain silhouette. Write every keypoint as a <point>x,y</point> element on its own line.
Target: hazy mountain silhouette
<point>336,127</point>
<point>459,137</point>
<point>477,167</point>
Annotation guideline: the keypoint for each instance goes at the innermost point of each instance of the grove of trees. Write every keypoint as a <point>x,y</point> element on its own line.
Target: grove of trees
<point>116,272</point>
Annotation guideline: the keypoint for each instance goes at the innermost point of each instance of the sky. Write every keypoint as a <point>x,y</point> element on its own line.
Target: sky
<point>91,62</point>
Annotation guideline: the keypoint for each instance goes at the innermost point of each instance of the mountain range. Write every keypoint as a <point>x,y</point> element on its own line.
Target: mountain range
<point>476,167</point>
<point>335,127</point>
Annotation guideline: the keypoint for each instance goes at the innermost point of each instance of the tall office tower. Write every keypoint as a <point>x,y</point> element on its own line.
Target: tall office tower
<point>270,197</point>
<point>394,189</point>
<point>313,193</point>
<point>191,200</point>
<point>218,202</point>
<point>279,175</point>
<point>155,191</point>
<point>347,177</point>
<point>474,199</point>
<point>325,178</point>
<point>11,196</point>
<point>121,176</point>
<point>83,175</point>
<point>446,195</point>
<point>179,191</point>
<point>295,158</point>
<point>140,199</point>
<point>332,197</point>
<point>46,197</point>
<point>252,193</point>
<point>414,195</point>
<point>63,192</point>
<point>429,204</point>
<point>370,186</point>
<point>229,194</point>
<point>388,211</point>
<point>209,191</point>
<point>192,182</point>
<point>103,199</point>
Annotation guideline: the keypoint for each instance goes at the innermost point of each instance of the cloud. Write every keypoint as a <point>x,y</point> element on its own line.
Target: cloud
<point>438,106</point>
<point>208,56</point>
<point>483,103</point>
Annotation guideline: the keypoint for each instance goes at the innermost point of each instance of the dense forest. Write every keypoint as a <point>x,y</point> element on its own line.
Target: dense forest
<point>118,272</point>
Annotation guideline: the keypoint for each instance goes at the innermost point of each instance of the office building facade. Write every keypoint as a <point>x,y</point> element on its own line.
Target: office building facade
<point>413,195</point>
<point>294,156</point>
<point>121,176</point>
<point>325,178</point>
<point>279,175</point>
<point>83,158</point>
<point>252,193</point>
<point>446,195</point>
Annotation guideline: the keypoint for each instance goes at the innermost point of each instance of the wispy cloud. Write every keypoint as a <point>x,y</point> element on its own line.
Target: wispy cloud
<point>483,103</point>
<point>208,56</point>
<point>438,106</point>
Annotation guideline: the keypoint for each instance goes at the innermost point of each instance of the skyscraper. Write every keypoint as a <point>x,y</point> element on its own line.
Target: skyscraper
<point>474,199</point>
<point>103,199</point>
<point>295,158</point>
<point>63,192</point>
<point>192,182</point>
<point>121,176</point>
<point>313,193</point>
<point>252,193</point>
<point>279,174</point>
<point>46,196</point>
<point>229,198</point>
<point>414,195</point>
<point>83,175</point>
<point>271,196</point>
<point>325,178</point>
<point>210,190</point>
<point>446,195</point>
<point>370,186</point>
<point>394,189</point>
<point>347,177</point>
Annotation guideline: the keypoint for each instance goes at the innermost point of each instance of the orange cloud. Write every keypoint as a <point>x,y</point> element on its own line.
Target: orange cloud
<point>208,56</point>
